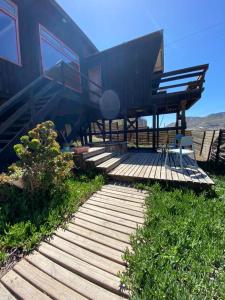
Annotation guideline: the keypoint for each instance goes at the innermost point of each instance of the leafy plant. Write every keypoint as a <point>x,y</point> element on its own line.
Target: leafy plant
<point>44,166</point>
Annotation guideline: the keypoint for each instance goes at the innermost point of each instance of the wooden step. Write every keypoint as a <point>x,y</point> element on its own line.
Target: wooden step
<point>90,245</point>
<point>98,237</point>
<point>123,193</point>
<point>70,279</point>
<point>87,271</point>
<point>107,217</point>
<point>45,283</point>
<point>21,288</point>
<point>98,159</point>
<point>116,208</point>
<point>105,223</point>
<point>118,202</point>
<point>103,230</point>
<point>5,294</point>
<point>128,197</point>
<point>125,188</point>
<point>114,213</point>
<point>93,151</point>
<point>90,257</point>
<point>112,163</point>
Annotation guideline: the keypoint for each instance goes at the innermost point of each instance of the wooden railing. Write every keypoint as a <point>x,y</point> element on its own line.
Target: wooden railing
<point>195,77</point>
<point>209,144</point>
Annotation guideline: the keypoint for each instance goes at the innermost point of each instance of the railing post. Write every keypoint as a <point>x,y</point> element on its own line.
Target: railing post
<point>210,148</point>
<point>218,146</point>
<point>202,145</point>
<point>137,139</point>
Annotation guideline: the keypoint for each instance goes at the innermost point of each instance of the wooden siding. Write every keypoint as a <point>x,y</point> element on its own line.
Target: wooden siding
<point>128,68</point>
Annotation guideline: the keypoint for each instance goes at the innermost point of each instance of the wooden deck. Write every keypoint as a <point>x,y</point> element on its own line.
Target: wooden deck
<point>150,166</point>
<point>83,261</point>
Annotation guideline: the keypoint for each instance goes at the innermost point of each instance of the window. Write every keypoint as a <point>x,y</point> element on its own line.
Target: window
<point>9,38</point>
<point>53,52</point>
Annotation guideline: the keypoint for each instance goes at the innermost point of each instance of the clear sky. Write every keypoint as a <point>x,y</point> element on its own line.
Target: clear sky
<point>194,33</point>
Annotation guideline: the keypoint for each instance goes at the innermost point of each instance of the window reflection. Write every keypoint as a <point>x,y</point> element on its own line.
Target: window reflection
<point>9,48</point>
<point>53,53</point>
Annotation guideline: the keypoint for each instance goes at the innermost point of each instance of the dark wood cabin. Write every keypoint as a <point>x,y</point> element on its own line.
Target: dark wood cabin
<point>49,69</point>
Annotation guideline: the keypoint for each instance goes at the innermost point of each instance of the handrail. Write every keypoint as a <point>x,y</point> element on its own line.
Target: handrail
<point>15,99</point>
<point>198,72</point>
<point>204,68</point>
<point>62,63</point>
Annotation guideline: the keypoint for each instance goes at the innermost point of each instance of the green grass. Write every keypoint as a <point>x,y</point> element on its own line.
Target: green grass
<point>180,251</point>
<point>22,228</point>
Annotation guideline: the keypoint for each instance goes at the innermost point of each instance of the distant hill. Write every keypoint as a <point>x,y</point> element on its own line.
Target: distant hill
<point>212,121</point>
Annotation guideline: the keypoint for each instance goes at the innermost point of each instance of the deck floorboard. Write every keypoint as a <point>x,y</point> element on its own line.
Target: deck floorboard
<point>150,166</point>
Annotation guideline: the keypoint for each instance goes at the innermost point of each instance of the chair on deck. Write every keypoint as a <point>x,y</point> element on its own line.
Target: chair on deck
<point>167,145</point>
<point>186,148</point>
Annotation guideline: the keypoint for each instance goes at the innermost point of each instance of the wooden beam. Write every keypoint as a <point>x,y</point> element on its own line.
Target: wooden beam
<point>177,121</point>
<point>103,130</point>
<point>211,144</point>
<point>136,123</point>
<point>182,71</point>
<point>202,145</point>
<point>153,132</point>
<point>125,128</point>
<point>110,130</point>
<point>183,121</point>
<point>157,128</point>
<point>189,84</point>
<point>179,77</point>
<point>218,146</point>
<point>90,135</point>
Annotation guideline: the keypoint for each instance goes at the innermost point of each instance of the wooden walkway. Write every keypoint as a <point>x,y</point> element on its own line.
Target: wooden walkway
<point>145,166</point>
<point>83,261</point>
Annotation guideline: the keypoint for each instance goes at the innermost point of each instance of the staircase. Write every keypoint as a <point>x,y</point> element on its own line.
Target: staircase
<point>23,111</point>
<point>99,158</point>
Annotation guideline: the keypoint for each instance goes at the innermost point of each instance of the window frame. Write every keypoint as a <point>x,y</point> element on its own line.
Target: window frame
<point>60,49</point>
<point>16,20</point>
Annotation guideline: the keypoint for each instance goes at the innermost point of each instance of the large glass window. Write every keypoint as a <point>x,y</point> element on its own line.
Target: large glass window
<point>54,52</point>
<point>9,40</point>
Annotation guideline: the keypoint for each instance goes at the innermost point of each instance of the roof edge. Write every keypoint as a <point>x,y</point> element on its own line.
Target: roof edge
<point>127,43</point>
<point>63,12</point>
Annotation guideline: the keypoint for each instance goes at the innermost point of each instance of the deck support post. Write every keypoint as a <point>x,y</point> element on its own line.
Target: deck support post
<point>85,137</point>
<point>110,130</point>
<point>177,121</point>
<point>136,128</point>
<point>154,129</point>
<point>157,126</point>
<point>125,128</point>
<point>103,130</point>
<point>183,121</point>
<point>90,133</point>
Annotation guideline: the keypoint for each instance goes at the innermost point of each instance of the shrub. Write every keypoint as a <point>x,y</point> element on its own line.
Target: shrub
<point>44,166</point>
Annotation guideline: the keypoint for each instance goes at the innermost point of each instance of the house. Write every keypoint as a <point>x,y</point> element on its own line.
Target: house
<point>49,69</point>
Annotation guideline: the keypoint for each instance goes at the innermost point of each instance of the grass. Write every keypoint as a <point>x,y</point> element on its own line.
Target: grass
<point>21,229</point>
<point>180,251</point>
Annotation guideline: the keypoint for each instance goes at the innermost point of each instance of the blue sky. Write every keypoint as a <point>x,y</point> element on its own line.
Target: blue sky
<point>194,33</point>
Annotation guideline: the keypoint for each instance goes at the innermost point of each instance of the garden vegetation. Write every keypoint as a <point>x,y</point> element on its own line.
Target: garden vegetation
<point>51,192</point>
<point>180,251</point>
